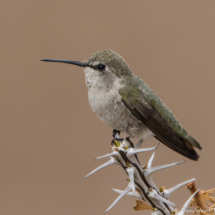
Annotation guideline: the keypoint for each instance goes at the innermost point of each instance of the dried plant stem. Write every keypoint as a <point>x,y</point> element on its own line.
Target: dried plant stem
<point>203,202</point>
<point>140,184</point>
<point>197,198</point>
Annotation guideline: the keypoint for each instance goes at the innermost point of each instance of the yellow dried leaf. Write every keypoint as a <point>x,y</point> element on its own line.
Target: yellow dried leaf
<point>142,206</point>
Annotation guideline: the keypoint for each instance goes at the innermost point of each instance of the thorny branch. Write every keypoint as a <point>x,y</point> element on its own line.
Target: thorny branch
<point>141,185</point>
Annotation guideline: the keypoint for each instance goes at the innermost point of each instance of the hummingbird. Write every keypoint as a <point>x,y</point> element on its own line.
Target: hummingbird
<point>127,104</point>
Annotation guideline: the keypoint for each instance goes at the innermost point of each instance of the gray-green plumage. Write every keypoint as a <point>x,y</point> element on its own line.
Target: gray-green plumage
<point>136,96</point>
<point>126,103</point>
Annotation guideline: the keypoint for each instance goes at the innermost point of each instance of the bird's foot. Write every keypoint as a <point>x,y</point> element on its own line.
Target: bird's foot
<point>116,138</point>
<point>131,144</point>
<point>120,140</point>
<point>115,132</point>
<point>113,142</point>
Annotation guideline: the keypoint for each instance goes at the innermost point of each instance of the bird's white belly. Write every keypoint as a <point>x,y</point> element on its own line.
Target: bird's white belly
<point>107,107</point>
<point>106,103</point>
<point>111,110</point>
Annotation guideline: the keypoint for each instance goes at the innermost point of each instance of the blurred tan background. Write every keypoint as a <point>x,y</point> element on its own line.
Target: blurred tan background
<point>49,136</point>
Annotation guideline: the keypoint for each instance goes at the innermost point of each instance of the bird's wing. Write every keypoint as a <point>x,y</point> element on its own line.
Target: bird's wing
<point>145,105</point>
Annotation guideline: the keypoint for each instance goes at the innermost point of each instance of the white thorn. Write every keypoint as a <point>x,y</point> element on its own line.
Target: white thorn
<point>108,155</point>
<point>133,151</point>
<point>169,191</point>
<point>119,197</point>
<point>130,172</point>
<point>111,161</point>
<point>153,194</point>
<point>150,160</point>
<point>157,145</point>
<point>186,204</point>
<point>137,146</point>
<point>128,194</point>
<point>151,170</point>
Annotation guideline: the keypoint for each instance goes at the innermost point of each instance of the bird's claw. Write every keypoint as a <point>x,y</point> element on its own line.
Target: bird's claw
<point>116,139</point>
<point>121,139</point>
<point>115,132</point>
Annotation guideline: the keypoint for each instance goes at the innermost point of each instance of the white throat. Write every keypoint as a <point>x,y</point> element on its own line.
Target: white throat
<point>105,80</point>
<point>92,78</point>
<point>103,89</point>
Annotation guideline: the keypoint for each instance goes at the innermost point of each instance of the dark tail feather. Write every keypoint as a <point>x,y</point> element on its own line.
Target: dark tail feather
<point>184,148</point>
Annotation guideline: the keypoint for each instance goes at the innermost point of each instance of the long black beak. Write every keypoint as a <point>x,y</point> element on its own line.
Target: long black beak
<point>78,63</point>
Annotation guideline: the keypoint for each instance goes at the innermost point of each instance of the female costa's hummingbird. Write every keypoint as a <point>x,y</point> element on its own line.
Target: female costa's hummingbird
<point>123,101</point>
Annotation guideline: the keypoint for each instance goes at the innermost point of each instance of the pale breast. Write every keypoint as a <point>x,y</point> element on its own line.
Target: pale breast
<point>103,95</point>
<point>106,103</point>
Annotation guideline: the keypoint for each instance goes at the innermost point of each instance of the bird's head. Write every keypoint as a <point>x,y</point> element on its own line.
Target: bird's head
<point>104,66</point>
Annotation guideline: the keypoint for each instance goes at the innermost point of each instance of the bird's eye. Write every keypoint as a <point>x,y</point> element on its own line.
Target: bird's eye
<point>101,67</point>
